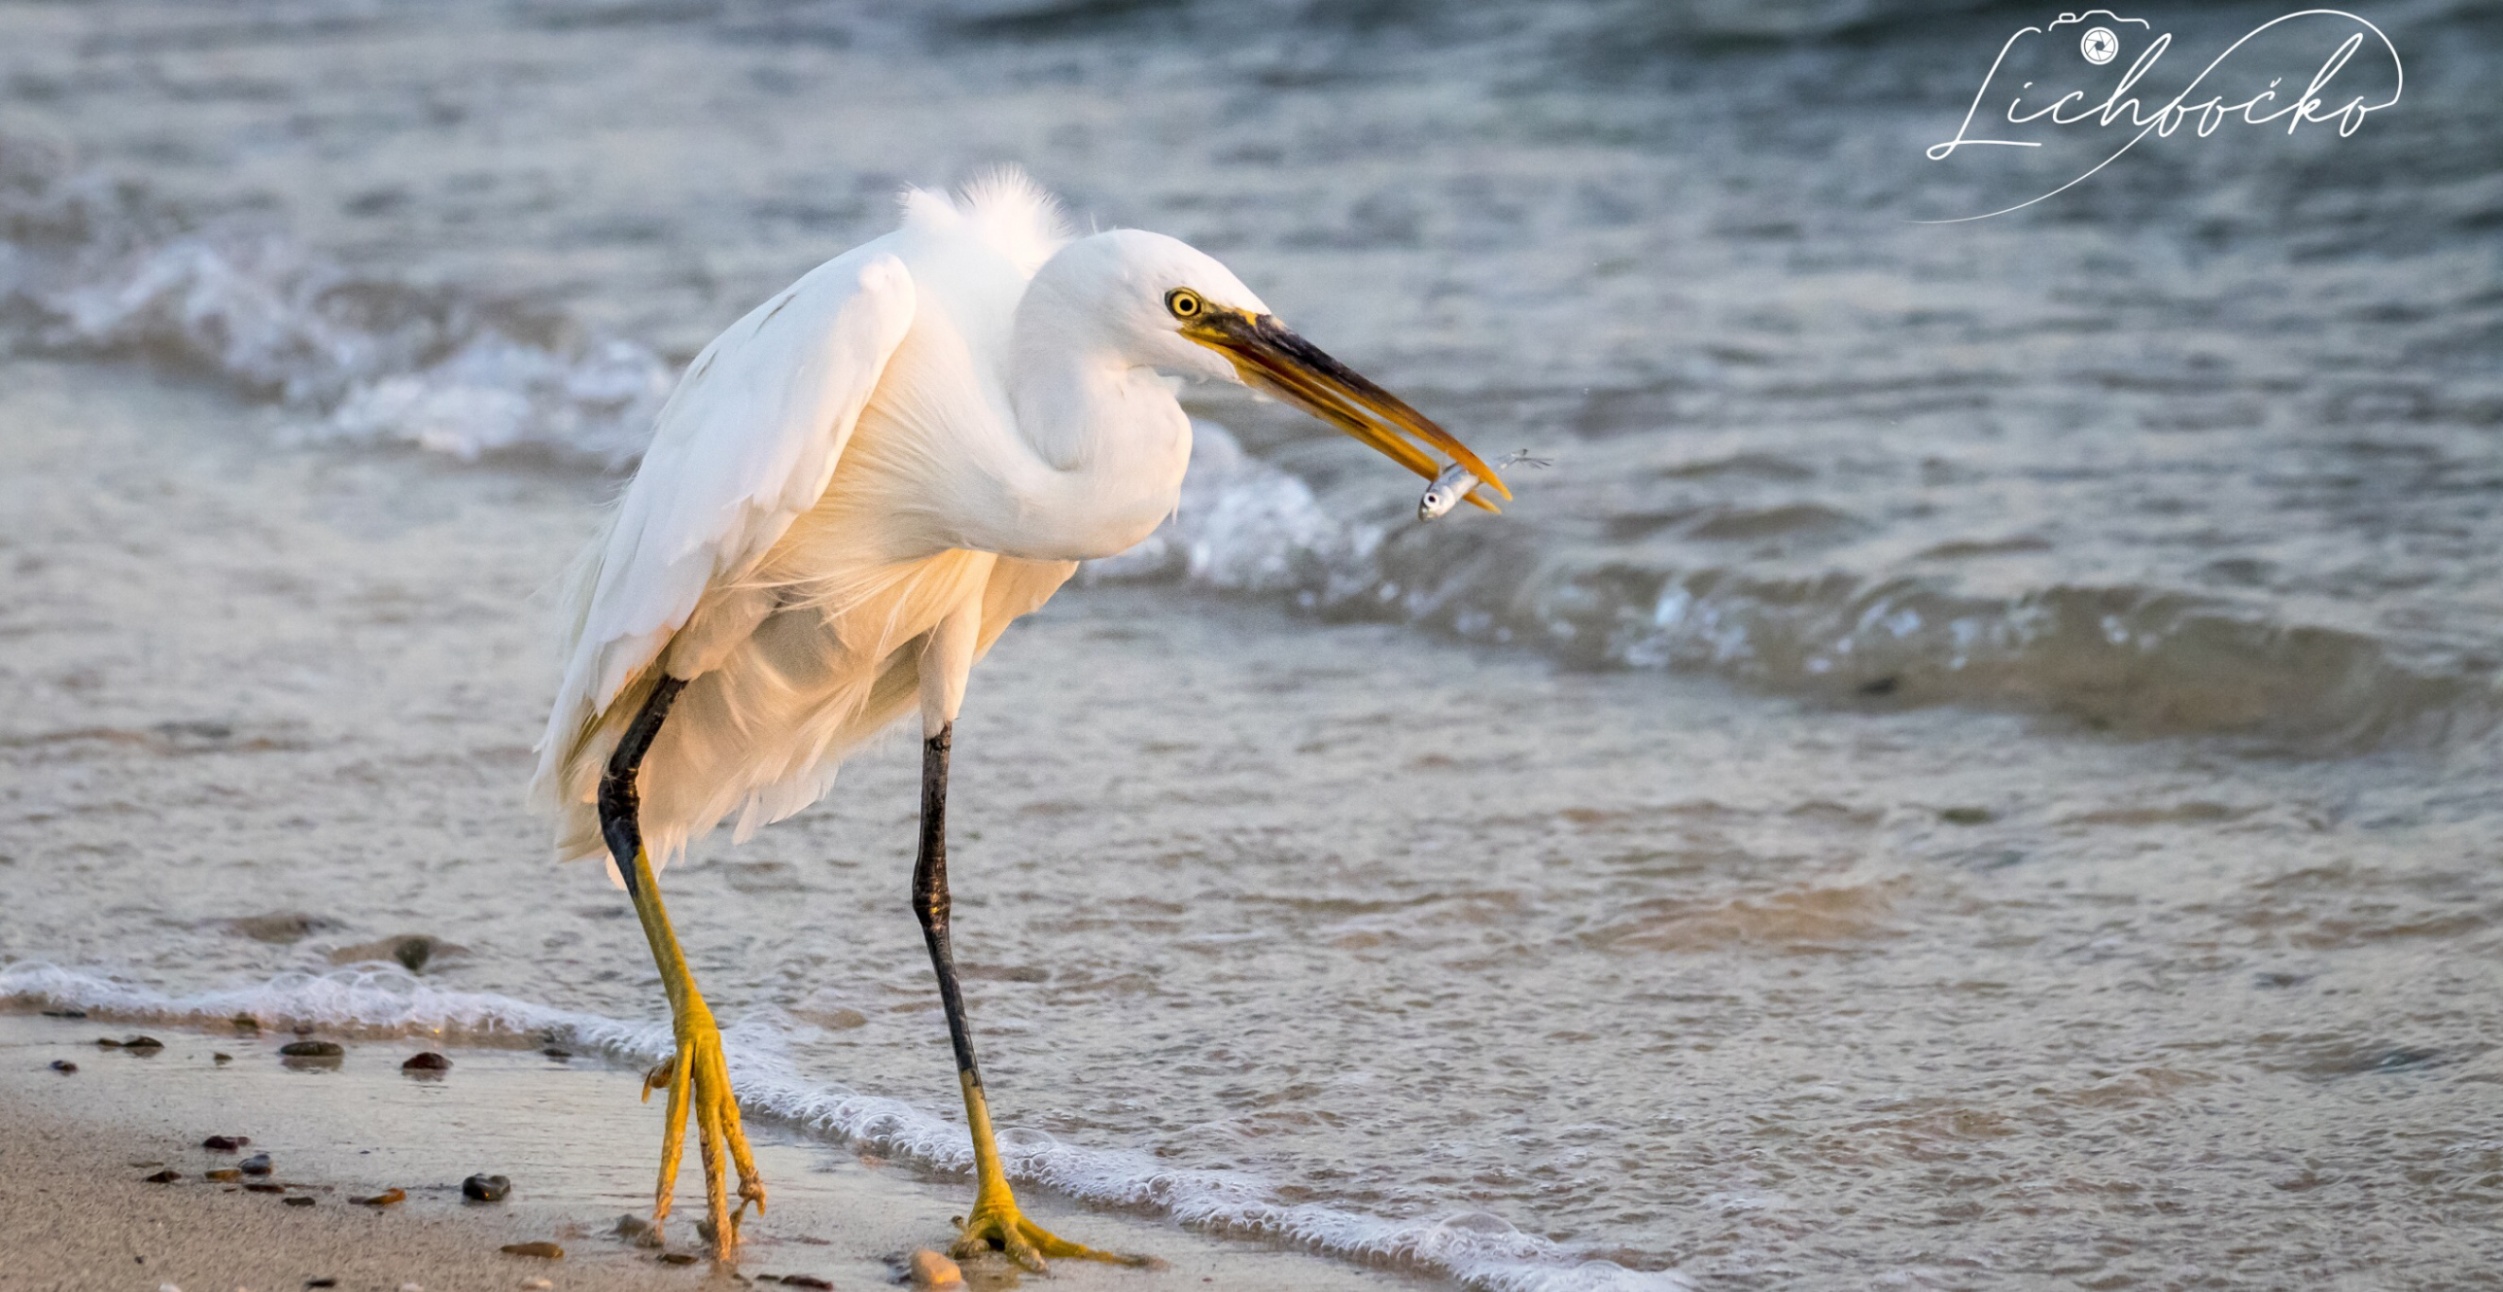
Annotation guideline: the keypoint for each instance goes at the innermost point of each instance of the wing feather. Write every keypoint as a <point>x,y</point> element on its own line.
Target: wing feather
<point>747,442</point>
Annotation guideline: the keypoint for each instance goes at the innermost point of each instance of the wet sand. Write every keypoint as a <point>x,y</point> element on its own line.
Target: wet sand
<point>77,1212</point>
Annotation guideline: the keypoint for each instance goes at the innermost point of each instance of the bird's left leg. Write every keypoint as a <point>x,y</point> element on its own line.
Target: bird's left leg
<point>697,1075</point>
<point>996,1221</point>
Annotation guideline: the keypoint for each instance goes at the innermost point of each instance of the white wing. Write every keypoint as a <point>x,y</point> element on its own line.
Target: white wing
<point>747,442</point>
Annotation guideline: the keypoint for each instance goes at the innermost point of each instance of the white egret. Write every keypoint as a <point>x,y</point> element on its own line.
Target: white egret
<point>850,494</point>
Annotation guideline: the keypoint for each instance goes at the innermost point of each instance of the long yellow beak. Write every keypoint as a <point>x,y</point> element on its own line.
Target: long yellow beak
<point>1270,356</point>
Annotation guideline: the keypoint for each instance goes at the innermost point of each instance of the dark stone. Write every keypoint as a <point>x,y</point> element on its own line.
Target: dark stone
<point>544,1251</point>
<point>165,1177</point>
<point>225,1143</point>
<point>64,1065</point>
<point>257,1164</point>
<point>297,1201</point>
<point>677,1258</point>
<point>65,1013</point>
<point>143,1044</point>
<point>428,1061</point>
<point>312,1049</point>
<point>263,1186</point>
<point>486,1188</point>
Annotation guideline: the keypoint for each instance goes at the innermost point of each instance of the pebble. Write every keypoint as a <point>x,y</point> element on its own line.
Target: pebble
<point>429,1061</point>
<point>165,1177</point>
<point>931,1270</point>
<point>143,1043</point>
<point>486,1188</point>
<point>544,1251</point>
<point>321,1283</point>
<point>312,1050</point>
<point>805,1281</point>
<point>677,1258</point>
<point>257,1164</point>
<point>299,1201</point>
<point>225,1143</point>
<point>264,1186</point>
<point>65,1013</point>
<point>221,1056</point>
<point>226,1173</point>
<point>64,1066</point>
<point>636,1230</point>
<point>107,1043</point>
<point>386,1198</point>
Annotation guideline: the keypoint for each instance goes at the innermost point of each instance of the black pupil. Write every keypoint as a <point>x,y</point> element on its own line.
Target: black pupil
<point>1186,305</point>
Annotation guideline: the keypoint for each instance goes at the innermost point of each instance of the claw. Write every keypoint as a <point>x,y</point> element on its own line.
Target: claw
<point>698,1080</point>
<point>999,1226</point>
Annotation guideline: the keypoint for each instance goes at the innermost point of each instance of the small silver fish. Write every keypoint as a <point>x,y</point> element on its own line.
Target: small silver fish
<point>1456,481</point>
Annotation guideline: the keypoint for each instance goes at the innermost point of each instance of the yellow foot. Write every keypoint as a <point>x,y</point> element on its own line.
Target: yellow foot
<point>999,1226</point>
<point>699,1078</point>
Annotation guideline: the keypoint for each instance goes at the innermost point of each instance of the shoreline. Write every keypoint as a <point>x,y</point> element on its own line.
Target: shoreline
<point>78,1212</point>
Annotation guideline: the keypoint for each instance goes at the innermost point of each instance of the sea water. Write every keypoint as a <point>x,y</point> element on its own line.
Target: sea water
<point>1975,767</point>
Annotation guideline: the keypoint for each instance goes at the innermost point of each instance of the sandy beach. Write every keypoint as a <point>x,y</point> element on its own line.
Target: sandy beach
<point>78,1212</point>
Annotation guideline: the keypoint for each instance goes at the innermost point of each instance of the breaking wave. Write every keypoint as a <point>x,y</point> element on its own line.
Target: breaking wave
<point>2134,660</point>
<point>1475,1249</point>
<point>100,269</point>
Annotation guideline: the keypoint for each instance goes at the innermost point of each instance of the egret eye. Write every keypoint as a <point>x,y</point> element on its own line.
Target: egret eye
<point>1184,303</point>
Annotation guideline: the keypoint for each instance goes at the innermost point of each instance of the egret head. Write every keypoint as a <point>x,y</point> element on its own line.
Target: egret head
<point>1174,308</point>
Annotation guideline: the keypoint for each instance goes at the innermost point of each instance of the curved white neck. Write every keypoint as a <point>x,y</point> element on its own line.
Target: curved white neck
<point>1109,445</point>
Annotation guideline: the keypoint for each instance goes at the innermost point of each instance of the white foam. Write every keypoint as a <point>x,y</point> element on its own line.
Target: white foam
<point>1474,1248</point>
<point>367,360</point>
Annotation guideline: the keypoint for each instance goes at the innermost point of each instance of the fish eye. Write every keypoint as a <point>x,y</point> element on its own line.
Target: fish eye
<point>1185,303</point>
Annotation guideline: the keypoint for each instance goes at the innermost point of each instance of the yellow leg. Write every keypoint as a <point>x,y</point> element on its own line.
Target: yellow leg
<point>698,1080</point>
<point>996,1223</point>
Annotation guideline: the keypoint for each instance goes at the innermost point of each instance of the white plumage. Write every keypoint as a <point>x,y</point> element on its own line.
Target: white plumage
<point>935,425</point>
<point>849,496</point>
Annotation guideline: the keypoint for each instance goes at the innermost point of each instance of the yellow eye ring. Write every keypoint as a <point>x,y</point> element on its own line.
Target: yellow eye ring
<point>1185,303</point>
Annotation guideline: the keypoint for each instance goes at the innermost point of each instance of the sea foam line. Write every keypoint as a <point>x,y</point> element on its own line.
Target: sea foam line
<point>1475,1249</point>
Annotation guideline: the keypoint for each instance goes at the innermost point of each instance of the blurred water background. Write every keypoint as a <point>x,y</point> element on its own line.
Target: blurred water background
<point>1975,768</point>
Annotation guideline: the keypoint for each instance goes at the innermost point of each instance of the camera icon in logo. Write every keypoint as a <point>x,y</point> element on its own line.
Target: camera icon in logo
<point>2099,45</point>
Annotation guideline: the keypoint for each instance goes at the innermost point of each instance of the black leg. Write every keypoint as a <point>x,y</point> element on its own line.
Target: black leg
<point>621,800</point>
<point>995,1221</point>
<point>930,898</point>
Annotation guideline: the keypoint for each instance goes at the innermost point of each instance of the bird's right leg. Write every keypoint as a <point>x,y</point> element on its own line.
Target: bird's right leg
<point>698,1076</point>
<point>996,1221</point>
